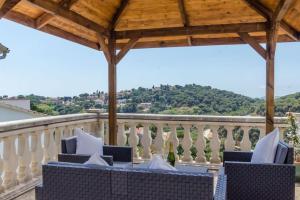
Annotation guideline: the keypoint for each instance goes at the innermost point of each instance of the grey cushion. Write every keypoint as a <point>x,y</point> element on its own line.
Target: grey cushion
<point>281,153</point>
<point>71,144</point>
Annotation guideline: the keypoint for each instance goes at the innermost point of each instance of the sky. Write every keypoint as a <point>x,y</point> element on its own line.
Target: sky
<point>46,65</point>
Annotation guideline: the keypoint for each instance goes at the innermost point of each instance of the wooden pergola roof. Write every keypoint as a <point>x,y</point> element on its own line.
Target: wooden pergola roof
<point>108,25</point>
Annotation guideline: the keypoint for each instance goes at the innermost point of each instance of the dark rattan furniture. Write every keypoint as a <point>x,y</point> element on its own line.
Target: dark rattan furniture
<point>111,154</point>
<point>248,181</point>
<point>65,181</point>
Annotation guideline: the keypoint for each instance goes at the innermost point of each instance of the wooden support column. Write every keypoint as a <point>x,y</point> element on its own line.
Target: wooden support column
<point>270,75</point>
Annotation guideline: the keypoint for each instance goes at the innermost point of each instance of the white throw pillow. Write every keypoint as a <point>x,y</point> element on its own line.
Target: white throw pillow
<point>88,144</point>
<point>265,148</point>
<point>157,162</point>
<point>95,159</point>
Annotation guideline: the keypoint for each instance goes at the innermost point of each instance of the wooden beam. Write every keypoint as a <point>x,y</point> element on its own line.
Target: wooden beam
<point>183,13</point>
<point>43,20</point>
<point>117,15</point>
<point>104,47</point>
<point>270,74</point>
<point>126,49</point>
<point>27,21</point>
<point>7,6</point>
<point>253,43</point>
<point>112,91</point>
<point>281,9</point>
<point>67,4</point>
<point>193,30</point>
<point>268,14</point>
<point>55,9</point>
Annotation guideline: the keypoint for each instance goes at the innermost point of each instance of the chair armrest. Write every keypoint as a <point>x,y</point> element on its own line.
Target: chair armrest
<point>119,154</point>
<point>241,156</point>
<point>75,158</point>
<point>260,181</point>
<point>221,188</point>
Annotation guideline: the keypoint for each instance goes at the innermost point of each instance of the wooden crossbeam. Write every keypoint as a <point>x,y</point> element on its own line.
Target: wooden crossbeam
<point>55,9</point>
<point>282,9</point>
<point>67,4</point>
<point>268,14</point>
<point>104,47</point>
<point>192,30</point>
<point>7,6</point>
<point>126,49</point>
<point>117,15</point>
<point>253,43</point>
<point>43,20</point>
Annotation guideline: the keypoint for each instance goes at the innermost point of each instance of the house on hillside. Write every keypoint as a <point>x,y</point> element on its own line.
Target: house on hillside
<point>16,110</point>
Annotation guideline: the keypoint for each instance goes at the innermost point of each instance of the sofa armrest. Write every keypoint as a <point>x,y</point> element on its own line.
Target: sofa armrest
<point>75,158</point>
<point>260,181</point>
<point>240,156</point>
<point>119,154</point>
<point>221,188</point>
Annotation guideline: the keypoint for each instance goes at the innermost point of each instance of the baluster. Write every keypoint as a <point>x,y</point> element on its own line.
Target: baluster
<point>187,144</point>
<point>245,143</point>
<point>159,140</point>
<point>1,173</point>
<point>36,154</point>
<point>106,137</point>
<point>200,145</point>
<point>133,139</point>
<point>10,162</point>
<point>229,141</point>
<point>100,129</point>
<point>146,142</point>
<point>121,138</point>
<point>215,146</point>
<point>281,133</point>
<point>49,146</point>
<point>24,173</point>
<point>262,132</point>
<point>58,136</point>
<point>173,138</point>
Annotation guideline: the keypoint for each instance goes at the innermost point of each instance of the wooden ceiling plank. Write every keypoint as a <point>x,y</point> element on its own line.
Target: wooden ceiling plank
<point>117,15</point>
<point>104,47</point>
<point>67,4</point>
<point>253,43</point>
<point>126,48</point>
<point>56,9</point>
<point>192,30</point>
<point>27,21</point>
<point>268,14</point>
<point>282,9</point>
<point>7,6</point>
<point>43,20</point>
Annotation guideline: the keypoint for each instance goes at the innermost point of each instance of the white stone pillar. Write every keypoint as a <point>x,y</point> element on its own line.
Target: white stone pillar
<point>146,142</point>
<point>133,139</point>
<point>36,153</point>
<point>24,172</point>
<point>187,144</point>
<point>121,137</point>
<point>159,140</point>
<point>215,145</point>
<point>174,139</point>
<point>229,141</point>
<point>200,145</point>
<point>245,143</point>
<point>49,146</point>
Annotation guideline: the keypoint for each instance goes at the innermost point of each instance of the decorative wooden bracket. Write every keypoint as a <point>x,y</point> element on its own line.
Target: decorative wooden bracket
<point>253,43</point>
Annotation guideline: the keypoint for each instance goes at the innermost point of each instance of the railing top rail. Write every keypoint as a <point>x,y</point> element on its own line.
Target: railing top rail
<point>195,118</point>
<point>44,121</point>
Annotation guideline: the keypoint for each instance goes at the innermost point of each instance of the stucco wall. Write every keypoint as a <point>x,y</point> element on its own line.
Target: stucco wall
<point>9,115</point>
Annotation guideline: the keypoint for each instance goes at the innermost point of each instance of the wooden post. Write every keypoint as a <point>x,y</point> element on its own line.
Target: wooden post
<point>112,90</point>
<point>270,74</point>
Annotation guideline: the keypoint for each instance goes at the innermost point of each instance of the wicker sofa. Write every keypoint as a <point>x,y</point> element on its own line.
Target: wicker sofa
<point>250,181</point>
<point>69,181</point>
<point>113,155</point>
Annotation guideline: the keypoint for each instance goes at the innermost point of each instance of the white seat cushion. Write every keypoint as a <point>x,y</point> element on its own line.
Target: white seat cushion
<point>265,148</point>
<point>88,144</point>
<point>95,159</point>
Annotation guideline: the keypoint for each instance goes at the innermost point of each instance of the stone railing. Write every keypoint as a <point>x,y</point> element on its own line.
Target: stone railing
<point>27,144</point>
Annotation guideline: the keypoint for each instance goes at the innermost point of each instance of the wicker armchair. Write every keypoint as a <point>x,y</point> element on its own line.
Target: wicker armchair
<point>111,154</point>
<point>248,181</point>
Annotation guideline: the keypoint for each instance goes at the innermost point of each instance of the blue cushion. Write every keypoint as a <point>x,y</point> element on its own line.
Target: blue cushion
<point>281,153</point>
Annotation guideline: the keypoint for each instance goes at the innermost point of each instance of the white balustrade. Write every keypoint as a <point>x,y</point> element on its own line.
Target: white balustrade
<point>29,143</point>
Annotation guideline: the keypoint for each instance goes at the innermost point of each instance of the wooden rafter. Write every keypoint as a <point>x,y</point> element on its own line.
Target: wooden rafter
<point>7,6</point>
<point>104,47</point>
<point>192,30</point>
<point>253,43</point>
<point>43,20</point>
<point>56,9</point>
<point>117,15</point>
<point>282,9</point>
<point>268,14</point>
<point>27,21</point>
<point>67,4</point>
<point>184,18</point>
<point>126,49</point>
